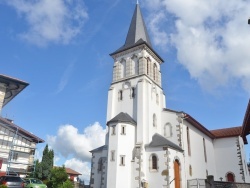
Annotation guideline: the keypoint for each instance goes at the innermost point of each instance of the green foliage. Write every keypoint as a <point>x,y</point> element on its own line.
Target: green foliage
<point>47,163</point>
<point>43,168</point>
<point>67,184</point>
<point>59,178</point>
<point>3,186</point>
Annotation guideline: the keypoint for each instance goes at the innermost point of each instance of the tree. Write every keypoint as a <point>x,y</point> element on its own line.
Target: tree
<point>43,168</point>
<point>47,163</point>
<point>59,178</point>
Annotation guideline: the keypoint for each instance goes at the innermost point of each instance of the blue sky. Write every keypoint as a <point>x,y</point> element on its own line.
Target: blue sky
<point>62,48</point>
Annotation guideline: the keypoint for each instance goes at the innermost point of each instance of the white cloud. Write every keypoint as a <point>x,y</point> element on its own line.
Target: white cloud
<point>212,38</point>
<point>56,21</point>
<point>81,167</point>
<point>160,37</point>
<point>65,77</point>
<point>69,142</point>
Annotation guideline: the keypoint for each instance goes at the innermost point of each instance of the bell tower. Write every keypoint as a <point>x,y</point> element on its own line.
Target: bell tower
<point>135,102</point>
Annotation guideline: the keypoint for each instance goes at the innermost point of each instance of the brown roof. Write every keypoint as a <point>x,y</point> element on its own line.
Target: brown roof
<point>197,125</point>
<point>227,132</point>
<point>22,131</point>
<point>70,171</point>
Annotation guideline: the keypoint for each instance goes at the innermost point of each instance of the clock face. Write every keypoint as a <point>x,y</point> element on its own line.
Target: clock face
<point>126,85</point>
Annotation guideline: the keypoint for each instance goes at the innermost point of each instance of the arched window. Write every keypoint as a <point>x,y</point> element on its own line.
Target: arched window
<point>154,121</point>
<point>168,130</point>
<point>123,68</point>
<point>157,99</point>
<point>230,177</point>
<point>154,162</point>
<point>134,65</point>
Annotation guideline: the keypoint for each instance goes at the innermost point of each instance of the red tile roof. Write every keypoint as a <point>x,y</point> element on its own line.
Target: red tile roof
<point>227,132</point>
<point>70,171</point>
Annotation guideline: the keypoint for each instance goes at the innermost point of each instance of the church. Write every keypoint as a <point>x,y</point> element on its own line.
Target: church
<point>149,145</point>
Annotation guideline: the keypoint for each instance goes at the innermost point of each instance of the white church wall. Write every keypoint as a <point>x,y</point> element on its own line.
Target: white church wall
<point>164,175</point>
<point>200,165</point>
<point>229,156</point>
<point>95,180</point>
<point>122,144</point>
<point>169,118</point>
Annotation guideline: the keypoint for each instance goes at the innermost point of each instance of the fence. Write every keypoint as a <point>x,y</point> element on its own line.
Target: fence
<point>210,183</point>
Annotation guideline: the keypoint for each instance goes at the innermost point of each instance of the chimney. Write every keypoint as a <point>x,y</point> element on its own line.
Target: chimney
<point>2,95</point>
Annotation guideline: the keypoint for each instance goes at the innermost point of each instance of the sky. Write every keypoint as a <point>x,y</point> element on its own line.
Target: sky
<point>61,48</point>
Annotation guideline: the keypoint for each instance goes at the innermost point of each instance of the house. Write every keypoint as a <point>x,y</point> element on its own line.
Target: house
<point>17,145</point>
<point>73,175</point>
<point>150,145</point>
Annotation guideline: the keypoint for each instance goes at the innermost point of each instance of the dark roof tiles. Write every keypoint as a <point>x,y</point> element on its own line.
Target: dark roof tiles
<point>158,141</point>
<point>122,117</point>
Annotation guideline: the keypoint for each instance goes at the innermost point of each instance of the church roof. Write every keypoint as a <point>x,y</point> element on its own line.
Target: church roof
<point>227,132</point>
<point>137,33</point>
<point>99,149</point>
<point>122,118</point>
<point>158,140</point>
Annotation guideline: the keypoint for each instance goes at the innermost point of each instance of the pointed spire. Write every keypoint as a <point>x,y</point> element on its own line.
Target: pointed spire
<point>137,33</point>
<point>137,29</point>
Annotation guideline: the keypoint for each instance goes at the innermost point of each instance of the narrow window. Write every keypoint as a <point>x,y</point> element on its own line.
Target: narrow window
<point>133,92</point>
<point>120,95</point>
<point>123,130</point>
<point>138,67</point>
<point>148,66</point>
<point>154,162</point>
<point>113,130</point>
<point>204,148</point>
<point>190,170</point>
<point>99,165</point>
<point>157,99</point>
<point>122,160</point>
<point>188,142</point>
<point>154,71</point>
<point>154,121</point>
<point>112,157</point>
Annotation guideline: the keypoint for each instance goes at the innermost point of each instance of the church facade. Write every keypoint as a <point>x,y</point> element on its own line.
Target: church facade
<point>149,145</point>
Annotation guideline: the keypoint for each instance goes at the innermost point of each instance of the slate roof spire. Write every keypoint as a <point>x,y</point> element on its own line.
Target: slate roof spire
<point>137,33</point>
<point>137,29</point>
